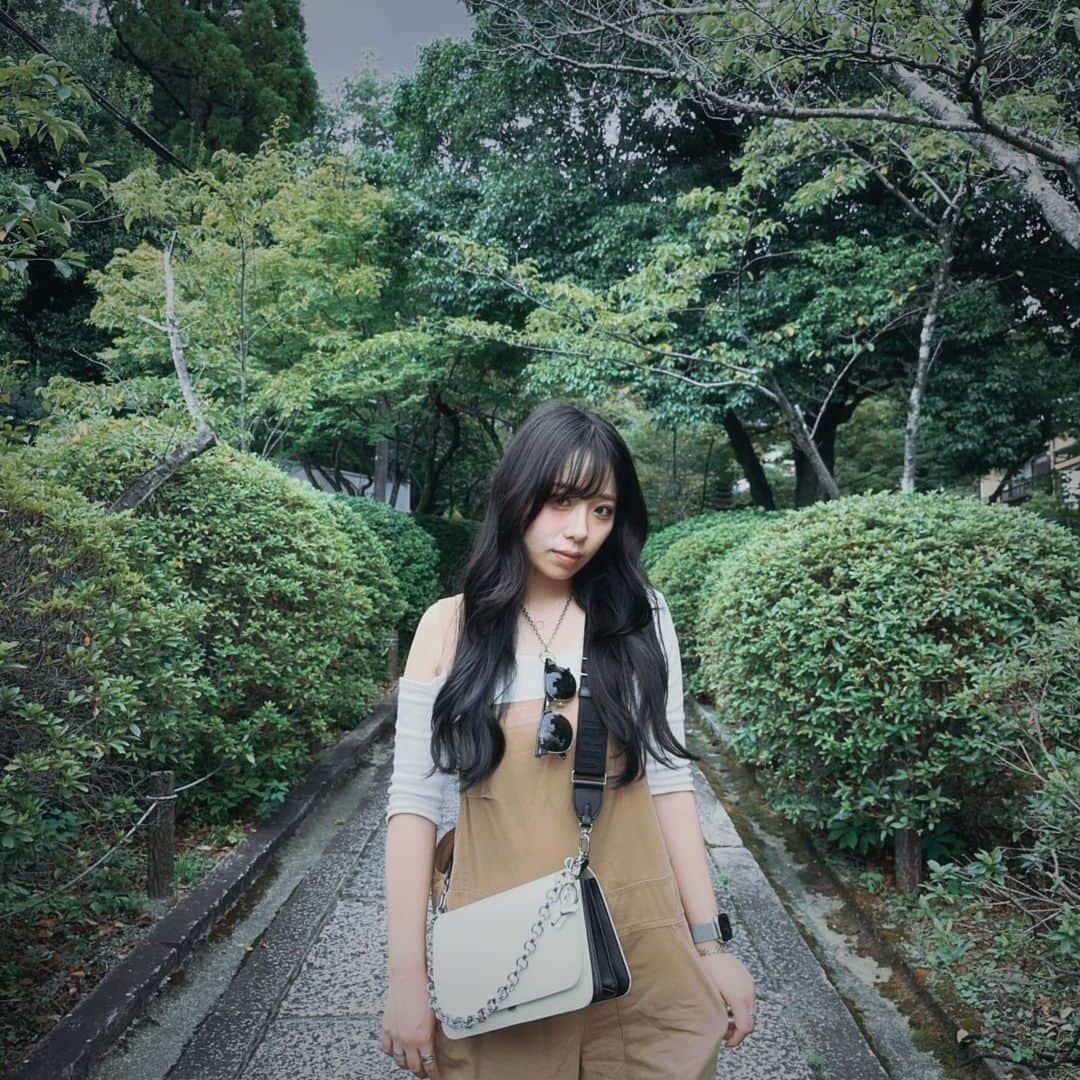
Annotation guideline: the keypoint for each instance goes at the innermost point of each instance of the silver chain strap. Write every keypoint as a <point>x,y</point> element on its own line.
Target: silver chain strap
<point>571,871</point>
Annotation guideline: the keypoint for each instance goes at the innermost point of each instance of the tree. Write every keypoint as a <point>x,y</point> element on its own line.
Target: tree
<point>32,97</point>
<point>997,77</point>
<point>221,73</point>
<point>277,287</point>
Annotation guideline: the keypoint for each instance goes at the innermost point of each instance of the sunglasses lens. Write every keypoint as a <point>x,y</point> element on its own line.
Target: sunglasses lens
<point>555,734</point>
<point>559,682</point>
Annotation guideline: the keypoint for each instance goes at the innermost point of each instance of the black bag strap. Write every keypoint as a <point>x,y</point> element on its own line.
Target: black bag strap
<point>589,775</point>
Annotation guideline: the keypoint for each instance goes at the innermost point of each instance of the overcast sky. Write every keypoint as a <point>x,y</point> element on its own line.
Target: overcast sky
<point>338,34</point>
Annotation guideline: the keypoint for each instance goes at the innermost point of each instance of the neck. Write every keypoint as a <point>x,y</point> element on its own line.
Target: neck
<point>543,593</point>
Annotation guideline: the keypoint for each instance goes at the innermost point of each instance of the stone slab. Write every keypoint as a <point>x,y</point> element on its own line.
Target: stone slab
<point>813,1008</point>
<point>322,1048</point>
<point>344,973</point>
<point>716,823</point>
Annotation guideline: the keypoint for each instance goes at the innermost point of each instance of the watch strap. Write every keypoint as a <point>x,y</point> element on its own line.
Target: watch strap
<point>713,930</point>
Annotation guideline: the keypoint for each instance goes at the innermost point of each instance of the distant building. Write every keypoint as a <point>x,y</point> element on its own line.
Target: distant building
<point>326,478</point>
<point>1061,459</point>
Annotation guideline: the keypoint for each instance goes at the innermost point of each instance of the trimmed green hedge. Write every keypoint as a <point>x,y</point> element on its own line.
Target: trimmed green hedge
<point>682,571</point>
<point>298,613</point>
<point>454,540</point>
<point>410,551</point>
<point>659,541</point>
<point>102,676</point>
<point>853,649</point>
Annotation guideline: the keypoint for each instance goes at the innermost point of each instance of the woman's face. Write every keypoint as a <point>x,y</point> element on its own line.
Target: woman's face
<point>575,526</point>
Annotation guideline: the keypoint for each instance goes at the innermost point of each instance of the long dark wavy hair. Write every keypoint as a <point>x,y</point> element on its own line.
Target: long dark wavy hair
<point>627,664</point>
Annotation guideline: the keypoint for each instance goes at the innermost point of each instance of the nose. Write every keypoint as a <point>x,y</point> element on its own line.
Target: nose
<point>577,524</point>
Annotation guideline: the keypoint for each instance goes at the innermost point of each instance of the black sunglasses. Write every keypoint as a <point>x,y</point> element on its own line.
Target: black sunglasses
<point>555,735</point>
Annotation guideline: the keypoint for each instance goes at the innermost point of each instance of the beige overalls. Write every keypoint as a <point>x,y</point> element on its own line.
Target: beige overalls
<point>519,823</point>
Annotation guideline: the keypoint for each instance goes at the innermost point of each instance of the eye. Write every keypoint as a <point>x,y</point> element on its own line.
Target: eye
<point>610,510</point>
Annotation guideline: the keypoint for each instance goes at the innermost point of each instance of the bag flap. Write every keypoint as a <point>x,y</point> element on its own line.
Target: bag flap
<point>475,947</point>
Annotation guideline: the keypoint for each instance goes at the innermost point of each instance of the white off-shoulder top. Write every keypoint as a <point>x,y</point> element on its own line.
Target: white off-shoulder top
<point>411,791</point>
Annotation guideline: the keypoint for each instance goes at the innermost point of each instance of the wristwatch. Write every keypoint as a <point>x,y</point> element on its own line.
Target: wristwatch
<point>713,930</point>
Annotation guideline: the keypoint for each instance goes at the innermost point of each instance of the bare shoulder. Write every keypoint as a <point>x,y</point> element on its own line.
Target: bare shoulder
<point>434,641</point>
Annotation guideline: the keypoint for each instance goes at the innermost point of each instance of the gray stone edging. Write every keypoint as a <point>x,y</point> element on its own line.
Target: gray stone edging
<point>72,1046</point>
<point>988,1068</point>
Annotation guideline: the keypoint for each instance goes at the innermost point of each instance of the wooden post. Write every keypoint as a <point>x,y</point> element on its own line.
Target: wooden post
<point>908,861</point>
<point>159,873</point>
<point>393,659</point>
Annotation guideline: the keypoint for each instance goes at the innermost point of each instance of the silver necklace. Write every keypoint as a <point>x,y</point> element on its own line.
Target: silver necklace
<point>547,651</point>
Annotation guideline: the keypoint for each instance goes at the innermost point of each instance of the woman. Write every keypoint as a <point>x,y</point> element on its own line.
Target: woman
<point>562,536</point>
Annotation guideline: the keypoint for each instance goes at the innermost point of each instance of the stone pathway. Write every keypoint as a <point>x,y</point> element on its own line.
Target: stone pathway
<point>307,1003</point>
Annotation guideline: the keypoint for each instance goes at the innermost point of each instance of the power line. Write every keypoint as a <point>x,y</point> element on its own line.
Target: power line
<point>133,126</point>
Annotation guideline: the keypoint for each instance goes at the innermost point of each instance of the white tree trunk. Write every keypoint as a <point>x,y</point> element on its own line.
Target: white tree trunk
<point>926,358</point>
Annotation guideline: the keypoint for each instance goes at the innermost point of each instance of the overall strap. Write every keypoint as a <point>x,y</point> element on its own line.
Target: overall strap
<point>589,775</point>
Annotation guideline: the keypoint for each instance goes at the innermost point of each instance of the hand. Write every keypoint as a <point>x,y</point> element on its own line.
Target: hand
<point>736,987</point>
<point>409,1025</point>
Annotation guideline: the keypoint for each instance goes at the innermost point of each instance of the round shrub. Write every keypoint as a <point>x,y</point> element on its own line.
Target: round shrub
<point>853,648</point>
<point>297,618</point>
<point>100,658</point>
<point>659,541</point>
<point>682,572</point>
<point>379,576</point>
<point>454,539</point>
<point>410,550</point>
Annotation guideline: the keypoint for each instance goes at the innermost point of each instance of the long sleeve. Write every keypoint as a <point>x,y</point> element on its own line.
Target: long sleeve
<point>411,791</point>
<point>662,778</point>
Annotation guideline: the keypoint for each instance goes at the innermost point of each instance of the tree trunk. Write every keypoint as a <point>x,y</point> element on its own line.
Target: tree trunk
<point>382,453</point>
<point>807,489</point>
<point>243,350</point>
<point>800,435</point>
<point>705,476</point>
<point>401,469</point>
<point>760,491</point>
<point>145,485</point>
<point>808,486</point>
<point>437,463</point>
<point>926,358</point>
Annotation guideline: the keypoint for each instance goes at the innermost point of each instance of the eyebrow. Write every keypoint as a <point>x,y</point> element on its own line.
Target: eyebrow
<point>560,489</point>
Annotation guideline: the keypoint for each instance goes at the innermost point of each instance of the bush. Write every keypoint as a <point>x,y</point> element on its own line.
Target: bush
<point>682,572</point>
<point>297,619</point>
<point>99,650</point>
<point>1040,748</point>
<point>454,540</point>
<point>853,647</point>
<point>659,541</point>
<point>410,551</point>
<point>1012,913</point>
<point>378,575</point>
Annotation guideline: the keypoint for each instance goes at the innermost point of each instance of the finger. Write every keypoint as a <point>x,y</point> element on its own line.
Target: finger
<point>743,1015</point>
<point>412,1060</point>
<point>431,1068</point>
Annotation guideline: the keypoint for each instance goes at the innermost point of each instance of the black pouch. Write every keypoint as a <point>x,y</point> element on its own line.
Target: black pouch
<point>611,974</point>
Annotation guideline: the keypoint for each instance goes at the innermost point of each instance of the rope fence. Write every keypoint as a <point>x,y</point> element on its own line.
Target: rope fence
<point>161,852</point>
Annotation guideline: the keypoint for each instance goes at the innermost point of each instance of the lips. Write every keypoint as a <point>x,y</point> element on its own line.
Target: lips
<point>568,554</point>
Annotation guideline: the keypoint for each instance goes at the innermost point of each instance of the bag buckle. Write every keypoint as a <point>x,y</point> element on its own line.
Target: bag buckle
<point>588,781</point>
